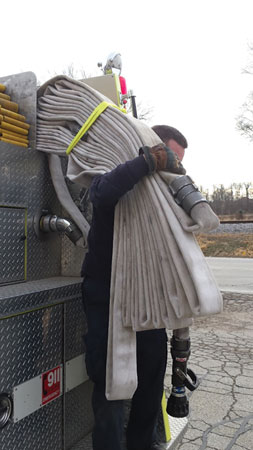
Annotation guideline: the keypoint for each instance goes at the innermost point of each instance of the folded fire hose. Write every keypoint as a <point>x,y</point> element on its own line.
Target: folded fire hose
<point>160,278</point>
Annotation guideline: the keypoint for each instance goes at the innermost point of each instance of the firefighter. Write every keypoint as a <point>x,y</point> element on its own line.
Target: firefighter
<point>105,192</point>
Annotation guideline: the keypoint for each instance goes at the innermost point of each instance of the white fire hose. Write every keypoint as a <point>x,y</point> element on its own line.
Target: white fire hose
<point>160,278</point>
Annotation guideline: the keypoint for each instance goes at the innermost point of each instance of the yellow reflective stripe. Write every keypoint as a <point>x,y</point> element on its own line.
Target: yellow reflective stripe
<point>166,419</point>
<point>117,86</point>
<point>91,119</point>
<point>35,309</point>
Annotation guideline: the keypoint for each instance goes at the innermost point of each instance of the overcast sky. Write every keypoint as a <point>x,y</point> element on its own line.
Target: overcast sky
<point>184,58</point>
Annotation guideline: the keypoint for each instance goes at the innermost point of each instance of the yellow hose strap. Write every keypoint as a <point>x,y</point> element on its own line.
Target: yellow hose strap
<point>165,419</point>
<point>89,122</point>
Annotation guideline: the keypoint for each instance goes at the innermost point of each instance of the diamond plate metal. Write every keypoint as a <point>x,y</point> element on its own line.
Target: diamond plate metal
<point>39,317</point>
<point>12,244</point>
<point>78,410</point>
<point>14,175</point>
<point>25,182</point>
<point>84,444</point>
<point>178,427</point>
<point>43,255</point>
<point>79,415</point>
<point>42,430</point>
<point>31,342</point>
<point>26,296</point>
<point>29,345</point>
<point>75,328</point>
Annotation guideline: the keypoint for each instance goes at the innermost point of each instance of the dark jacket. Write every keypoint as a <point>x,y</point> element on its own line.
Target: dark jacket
<point>105,192</point>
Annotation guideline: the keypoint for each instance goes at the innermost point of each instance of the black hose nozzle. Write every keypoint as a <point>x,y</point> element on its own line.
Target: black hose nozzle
<point>178,403</point>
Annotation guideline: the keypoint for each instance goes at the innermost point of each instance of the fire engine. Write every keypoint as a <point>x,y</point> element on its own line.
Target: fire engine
<point>45,393</point>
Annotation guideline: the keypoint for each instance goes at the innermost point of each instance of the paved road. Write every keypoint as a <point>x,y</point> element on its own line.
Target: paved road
<point>233,274</point>
<point>221,416</point>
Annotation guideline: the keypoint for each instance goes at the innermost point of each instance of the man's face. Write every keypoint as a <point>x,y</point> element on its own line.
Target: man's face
<point>176,148</point>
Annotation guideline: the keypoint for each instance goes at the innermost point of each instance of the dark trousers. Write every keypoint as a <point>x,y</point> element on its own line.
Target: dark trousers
<point>151,366</point>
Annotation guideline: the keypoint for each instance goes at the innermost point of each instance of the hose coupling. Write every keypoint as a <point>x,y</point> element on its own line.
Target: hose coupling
<point>51,222</point>
<point>186,193</point>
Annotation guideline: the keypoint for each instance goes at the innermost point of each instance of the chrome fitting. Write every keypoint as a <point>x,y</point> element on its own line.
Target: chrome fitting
<point>185,193</point>
<point>51,222</point>
<point>6,407</point>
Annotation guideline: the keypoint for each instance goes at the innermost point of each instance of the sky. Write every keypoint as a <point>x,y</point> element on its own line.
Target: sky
<point>184,59</point>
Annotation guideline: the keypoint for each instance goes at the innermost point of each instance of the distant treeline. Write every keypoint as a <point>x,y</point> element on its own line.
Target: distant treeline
<point>236,200</point>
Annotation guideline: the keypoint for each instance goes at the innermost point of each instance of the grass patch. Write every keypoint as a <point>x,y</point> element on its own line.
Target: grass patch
<point>227,245</point>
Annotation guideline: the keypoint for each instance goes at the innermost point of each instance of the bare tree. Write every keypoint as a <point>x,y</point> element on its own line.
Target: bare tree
<point>73,72</point>
<point>249,68</point>
<point>70,71</point>
<point>245,119</point>
<point>237,199</point>
<point>144,112</point>
<point>244,122</point>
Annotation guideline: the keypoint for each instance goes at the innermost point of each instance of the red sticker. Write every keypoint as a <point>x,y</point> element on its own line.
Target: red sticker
<point>51,385</point>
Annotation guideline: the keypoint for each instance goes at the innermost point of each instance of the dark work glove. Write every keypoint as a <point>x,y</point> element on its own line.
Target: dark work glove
<point>161,157</point>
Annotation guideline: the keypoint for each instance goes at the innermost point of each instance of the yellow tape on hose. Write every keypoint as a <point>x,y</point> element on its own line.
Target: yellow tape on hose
<point>91,119</point>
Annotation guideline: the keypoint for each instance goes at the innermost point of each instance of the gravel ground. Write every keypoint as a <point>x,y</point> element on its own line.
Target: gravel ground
<point>234,228</point>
